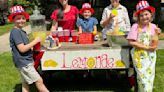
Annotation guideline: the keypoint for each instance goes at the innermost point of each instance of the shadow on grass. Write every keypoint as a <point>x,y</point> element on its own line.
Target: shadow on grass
<point>63,83</point>
<point>18,88</point>
<point>73,81</point>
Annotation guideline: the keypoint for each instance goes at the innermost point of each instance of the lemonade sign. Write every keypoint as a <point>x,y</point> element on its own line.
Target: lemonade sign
<point>85,59</point>
<point>50,63</point>
<point>91,62</point>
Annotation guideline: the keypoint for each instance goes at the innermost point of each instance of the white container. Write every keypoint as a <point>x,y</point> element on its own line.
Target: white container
<point>117,40</point>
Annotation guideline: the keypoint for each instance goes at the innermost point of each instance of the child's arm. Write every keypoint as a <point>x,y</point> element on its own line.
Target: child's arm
<point>141,46</point>
<point>108,20</point>
<point>154,43</point>
<point>54,26</point>
<point>23,48</point>
<point>94,30</point>
<point>138,45</point>
<point>80,29</point>
<point>158,30</point>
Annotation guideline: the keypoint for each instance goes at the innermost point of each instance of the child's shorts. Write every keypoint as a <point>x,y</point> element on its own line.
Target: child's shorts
<point>28,74</point>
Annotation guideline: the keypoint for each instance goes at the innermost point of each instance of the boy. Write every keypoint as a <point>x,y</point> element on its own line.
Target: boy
<point>21,50</point>
<point>87,23</point>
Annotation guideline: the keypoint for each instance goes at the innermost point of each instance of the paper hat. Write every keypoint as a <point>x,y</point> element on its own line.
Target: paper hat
<point>17,10</point>
<point>86,6</point>
<point>143,5</point>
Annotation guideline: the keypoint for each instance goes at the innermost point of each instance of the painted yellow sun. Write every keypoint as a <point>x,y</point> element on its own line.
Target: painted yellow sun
<point>50,63</point>
<point>120,63</point>
<point>91,62</point>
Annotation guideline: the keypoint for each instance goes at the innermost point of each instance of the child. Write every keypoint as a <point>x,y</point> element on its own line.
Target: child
<point>21,50</point>
<point>87,23</point>
<point>115,14</point>
<point>141,37</point>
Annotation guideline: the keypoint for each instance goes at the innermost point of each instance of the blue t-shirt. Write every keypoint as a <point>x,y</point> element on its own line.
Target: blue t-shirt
<point>87,24</point>
<point>18,36</point>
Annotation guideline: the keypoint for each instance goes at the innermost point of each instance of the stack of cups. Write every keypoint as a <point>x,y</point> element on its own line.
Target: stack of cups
<point>60,34</point>
<point>74,35</point>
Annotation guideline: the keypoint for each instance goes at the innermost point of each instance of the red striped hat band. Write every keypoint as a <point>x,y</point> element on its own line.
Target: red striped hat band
<point>142,5</point>
<point>16,9</point>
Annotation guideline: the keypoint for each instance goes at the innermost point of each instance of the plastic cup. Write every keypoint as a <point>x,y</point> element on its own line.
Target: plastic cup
<point>66,38</point>
<point>74,38</point>
<point>74,35</point>
<point>66,35</point>
<point>61,38</point>
<point>37,47</point>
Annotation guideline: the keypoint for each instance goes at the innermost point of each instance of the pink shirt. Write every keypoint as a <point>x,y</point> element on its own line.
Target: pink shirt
<point>69,20</point>
<point>133,34</point>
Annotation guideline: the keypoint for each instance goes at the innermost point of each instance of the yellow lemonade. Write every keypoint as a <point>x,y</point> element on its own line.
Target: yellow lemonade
<point>41,34</point>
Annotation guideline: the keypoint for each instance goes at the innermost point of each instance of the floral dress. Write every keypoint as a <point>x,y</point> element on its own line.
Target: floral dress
<point>144,62</point>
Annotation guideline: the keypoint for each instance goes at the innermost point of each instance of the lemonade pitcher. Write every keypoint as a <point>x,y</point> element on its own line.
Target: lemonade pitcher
<point>38,25</point>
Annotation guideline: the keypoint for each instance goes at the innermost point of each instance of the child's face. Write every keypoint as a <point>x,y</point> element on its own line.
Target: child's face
<point>19,21</point>
<point>87,14</point>
<point>145,17</point>
<point>114,3</point>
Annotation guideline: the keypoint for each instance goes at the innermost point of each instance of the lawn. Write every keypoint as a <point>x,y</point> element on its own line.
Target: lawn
<point>10,79</point>
<point>5,28</point>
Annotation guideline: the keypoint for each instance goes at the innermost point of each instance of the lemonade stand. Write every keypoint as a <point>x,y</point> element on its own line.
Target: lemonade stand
<point>73,56</point>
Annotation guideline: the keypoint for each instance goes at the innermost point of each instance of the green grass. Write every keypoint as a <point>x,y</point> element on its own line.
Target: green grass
<point>5,28</point>
<point>8,74</point>
<point>159,78</point>
<point>10,79</point>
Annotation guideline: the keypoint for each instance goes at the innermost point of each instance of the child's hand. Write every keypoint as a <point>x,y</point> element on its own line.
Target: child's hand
<point>158,30</point>
<point>112,15</point>
<point>37,39</point>
<point>151,48</point>
<point>79,32</point>
<point>153,45</point>
<point>94,33</point>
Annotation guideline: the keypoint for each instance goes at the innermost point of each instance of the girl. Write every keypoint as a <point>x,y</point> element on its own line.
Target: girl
<point>144,41</point>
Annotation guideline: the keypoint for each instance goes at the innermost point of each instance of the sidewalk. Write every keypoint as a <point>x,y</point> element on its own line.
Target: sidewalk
<point>5,46</point>
<point>4,40</point>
